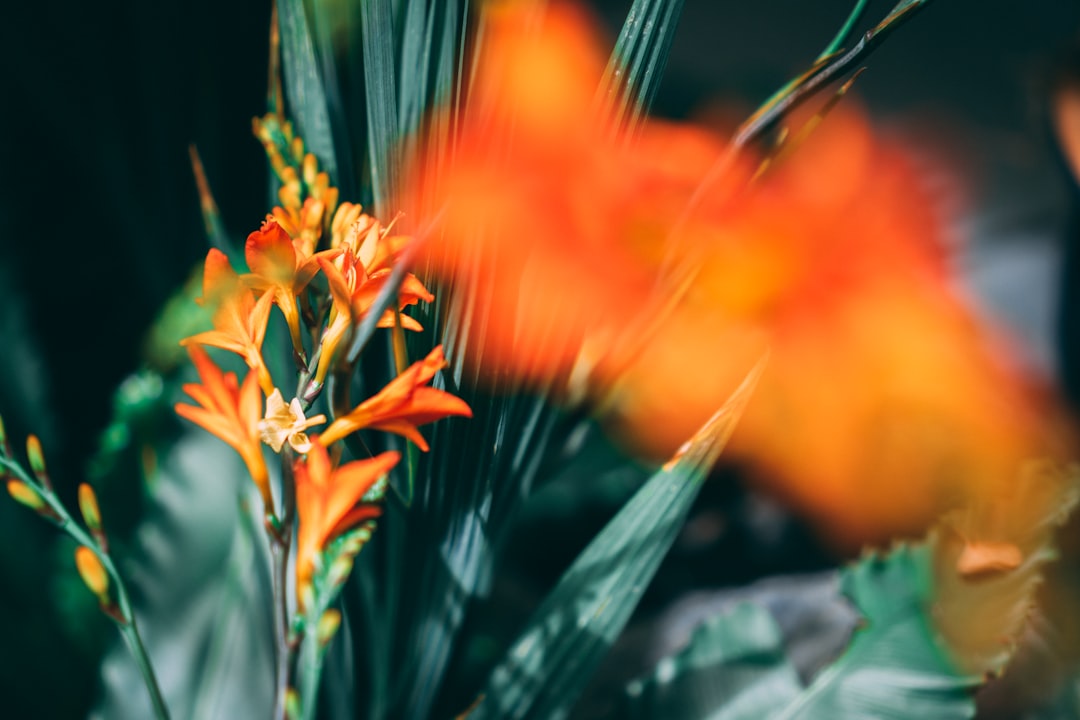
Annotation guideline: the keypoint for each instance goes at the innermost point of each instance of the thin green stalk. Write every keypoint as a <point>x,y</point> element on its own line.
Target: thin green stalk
<point>280,543</point>
<point>279,547</point>
<point>126,622</point>
<point>130,633</point>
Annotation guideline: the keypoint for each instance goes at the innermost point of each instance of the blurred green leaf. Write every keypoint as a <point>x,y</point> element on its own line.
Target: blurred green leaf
<point>637,62</point>
<point>377,34</point>
<point>734,668</point>
<point>895,668</point>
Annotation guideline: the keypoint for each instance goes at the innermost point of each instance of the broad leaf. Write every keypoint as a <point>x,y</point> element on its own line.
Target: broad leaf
<point>734,668</point>
<point>942,615</point>
<point>895,667</point>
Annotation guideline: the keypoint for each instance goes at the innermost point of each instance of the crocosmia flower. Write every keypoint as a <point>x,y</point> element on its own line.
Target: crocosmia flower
<point>239,320</point>
<point>405,403</point>
<point>281,269</point>
<point>329,501</point>
<point>231,411</point>
<point>355,280</point>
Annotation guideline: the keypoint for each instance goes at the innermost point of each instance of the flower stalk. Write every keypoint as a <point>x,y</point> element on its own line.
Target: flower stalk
<point>119,610</point>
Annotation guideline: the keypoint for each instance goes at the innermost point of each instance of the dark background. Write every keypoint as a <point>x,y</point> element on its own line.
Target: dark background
<point>100,220</point>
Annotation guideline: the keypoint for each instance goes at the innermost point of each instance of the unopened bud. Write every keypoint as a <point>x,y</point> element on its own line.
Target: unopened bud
<point>92,572</point>
<point>292,704</point>
<point>25,494</point>
<point>33,452</point>
<point>88,505</point>
<point>339,570</point>
<point>306,595</point>
<point>328,625</point>
<point>310,168</point>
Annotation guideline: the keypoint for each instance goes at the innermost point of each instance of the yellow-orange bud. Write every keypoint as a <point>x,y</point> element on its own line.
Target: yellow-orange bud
<point>33,452</point>
<point>88,505</point>
<point>25,494</point>
<point>92,572</point>
<point>328,625</point>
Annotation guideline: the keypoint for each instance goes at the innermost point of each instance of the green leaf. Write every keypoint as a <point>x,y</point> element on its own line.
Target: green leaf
<point>895,667</point>
<point>937,621</point>
<point>734,668</point>
<point>377,34</point>
<point>328,18</point>
<point>637,62</point>
<point>549,665</point>
<point>304,87</point>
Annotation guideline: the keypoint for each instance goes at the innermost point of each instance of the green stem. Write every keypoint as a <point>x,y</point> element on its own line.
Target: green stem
<point>279,546</point>
<point>280,543</point>
<point>128,628</point>
<point>130,632</point>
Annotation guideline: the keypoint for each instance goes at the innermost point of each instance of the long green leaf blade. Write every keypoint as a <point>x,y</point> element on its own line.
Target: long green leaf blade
<point>549,665</point>
<point>638,60</point>
<point>304,85</point>
<point>377,31</point>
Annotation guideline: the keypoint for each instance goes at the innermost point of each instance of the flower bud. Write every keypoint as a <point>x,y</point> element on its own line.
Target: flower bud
<point>88,505</point>
<point>33,452</point>
<point>25,494</point>
<point>339,570</point>
<point>327,626</point>
<point>292,704</point>
<point>92,572</point>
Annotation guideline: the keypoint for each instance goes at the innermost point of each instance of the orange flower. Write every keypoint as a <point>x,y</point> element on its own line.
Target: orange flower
<point>402,405</point>
<point>304,225</point>
<point>239,321</point>
<point>282,268</point>
<point>345,221</point>
<point>356,283</point>
<point>330,501</point>
<point>230,411</point>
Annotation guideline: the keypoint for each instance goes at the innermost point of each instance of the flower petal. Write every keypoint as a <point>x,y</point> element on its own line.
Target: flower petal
<point>270,253</point>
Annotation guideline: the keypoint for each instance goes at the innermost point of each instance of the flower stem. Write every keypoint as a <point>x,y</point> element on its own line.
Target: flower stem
<point>280,543</point>
<point>126,618</point>
<point>279,546</point>
<point>130,632</point>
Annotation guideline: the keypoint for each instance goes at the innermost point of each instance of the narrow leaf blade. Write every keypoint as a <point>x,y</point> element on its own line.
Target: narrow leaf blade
<point>304,85</point>
<point>549,665</point>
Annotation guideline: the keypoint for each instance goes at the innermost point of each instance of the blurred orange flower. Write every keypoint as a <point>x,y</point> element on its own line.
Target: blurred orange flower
<point>402,405</point>
<point>329,502</point>
<point>230,411</point>
<point>632,274</point>
<point>239,321</point>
